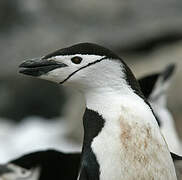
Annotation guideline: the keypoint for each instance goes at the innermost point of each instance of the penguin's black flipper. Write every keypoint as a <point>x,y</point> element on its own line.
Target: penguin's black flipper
<point>154,85</point>
<point>147,83</point>
<point>176,157</point>
<point>168,72</point>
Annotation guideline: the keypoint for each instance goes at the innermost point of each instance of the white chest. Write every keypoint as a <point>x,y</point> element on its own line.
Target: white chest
<point>130,147</point>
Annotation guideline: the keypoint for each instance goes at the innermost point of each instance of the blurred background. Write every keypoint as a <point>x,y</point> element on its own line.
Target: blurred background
<point>146,34</point>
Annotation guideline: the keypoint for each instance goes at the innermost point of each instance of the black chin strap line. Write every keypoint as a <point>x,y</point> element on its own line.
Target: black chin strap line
<point>90,64</point>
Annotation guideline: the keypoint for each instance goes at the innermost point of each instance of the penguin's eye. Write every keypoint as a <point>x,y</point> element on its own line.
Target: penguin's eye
<point>76,60</point>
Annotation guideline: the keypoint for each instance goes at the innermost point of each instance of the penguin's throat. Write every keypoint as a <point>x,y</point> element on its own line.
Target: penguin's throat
<point>111,104</point>
<point>128,138</point>
<point>118,112</point>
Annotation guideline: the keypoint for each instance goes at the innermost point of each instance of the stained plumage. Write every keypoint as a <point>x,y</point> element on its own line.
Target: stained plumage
<point>130,138</point>
<point>35,159</point>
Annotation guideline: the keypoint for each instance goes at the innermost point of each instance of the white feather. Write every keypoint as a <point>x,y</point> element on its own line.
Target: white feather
<point>130,144</point>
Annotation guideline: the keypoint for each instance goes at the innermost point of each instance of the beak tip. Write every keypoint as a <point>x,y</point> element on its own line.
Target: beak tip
<point>24,64</point>
<point>21,71</point>
<point>21,65</point>
<point>38,67</point>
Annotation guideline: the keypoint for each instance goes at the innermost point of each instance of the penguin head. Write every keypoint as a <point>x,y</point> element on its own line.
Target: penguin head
<point>12,172</point>
<point>83,65</point>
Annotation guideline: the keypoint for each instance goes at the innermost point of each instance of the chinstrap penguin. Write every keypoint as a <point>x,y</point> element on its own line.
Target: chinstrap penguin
<point>42,159</point>
<point>122,139</point>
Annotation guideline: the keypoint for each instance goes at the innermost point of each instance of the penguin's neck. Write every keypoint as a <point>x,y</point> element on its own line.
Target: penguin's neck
<point>97,104</point>
<point>111,103</point>
<point>108,120</point>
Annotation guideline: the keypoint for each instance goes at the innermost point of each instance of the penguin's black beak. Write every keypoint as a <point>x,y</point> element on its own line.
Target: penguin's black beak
<point>4,169</point>
<point>38,67</point>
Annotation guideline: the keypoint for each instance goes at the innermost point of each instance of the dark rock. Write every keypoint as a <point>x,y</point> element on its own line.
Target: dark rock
<point>11,16</point>
<point>22,97</point>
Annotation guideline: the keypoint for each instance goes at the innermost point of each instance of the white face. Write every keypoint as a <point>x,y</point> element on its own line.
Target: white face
<point>21,173</point>
<point>92,72</point>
